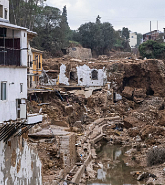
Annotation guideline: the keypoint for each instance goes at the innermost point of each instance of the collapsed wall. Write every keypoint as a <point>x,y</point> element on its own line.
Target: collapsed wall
<point>19,163</point>
<point>80,53</point>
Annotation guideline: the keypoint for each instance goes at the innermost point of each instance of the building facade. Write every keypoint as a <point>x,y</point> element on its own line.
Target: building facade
<point>34,67</point>
<point>19,163</point>
<point>133,39</point>
<point>153,35</point>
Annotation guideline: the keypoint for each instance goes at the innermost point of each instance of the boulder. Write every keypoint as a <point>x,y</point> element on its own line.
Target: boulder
<point>139,95</point>
<point>68,109</point>
<point>128,92</point>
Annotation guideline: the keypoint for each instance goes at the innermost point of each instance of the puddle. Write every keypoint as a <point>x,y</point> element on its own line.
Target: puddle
<point>113,170</point>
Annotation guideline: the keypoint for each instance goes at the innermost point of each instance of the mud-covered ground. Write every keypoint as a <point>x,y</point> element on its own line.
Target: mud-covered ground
<point>136,94</point>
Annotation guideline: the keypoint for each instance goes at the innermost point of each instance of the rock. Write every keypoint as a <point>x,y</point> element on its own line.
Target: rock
<point>68,109</point>
<point>128,92</point>
<point>138,138</point>
<point>139,95</point>
<point>127,123</point>
<point>162,118</point>
<point>133,132</point>
<point>148,129</point>
<point>143,176</point>
<point>78,124</point>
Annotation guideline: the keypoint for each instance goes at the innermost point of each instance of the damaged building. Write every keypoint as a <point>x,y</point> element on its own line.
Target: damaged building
<point>19,163</point>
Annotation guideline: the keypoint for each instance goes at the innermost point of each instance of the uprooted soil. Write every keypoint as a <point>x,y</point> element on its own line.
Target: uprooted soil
<point>141,84</point>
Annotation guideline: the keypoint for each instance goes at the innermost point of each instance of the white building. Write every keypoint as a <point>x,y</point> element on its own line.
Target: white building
<point>133,39</point>
<point>4,10</point>
<point>13,94</point>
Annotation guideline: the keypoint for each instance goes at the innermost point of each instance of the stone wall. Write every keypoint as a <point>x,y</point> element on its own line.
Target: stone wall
<point>80,53</point>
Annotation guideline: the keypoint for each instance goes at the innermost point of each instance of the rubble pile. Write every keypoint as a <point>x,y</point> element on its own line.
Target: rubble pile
<point>135,93</point>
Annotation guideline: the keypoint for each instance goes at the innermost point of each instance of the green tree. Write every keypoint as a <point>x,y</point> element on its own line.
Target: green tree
<point>125,33</point>
<point>24,12</point>
<point>152,49</point>
<point>139,39</point>
<point>97,36</point>
<point>65,30</point>
<point>48,30</point>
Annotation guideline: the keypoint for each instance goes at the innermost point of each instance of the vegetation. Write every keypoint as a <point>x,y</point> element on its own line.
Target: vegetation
<point>156,156</point>
<point>152,49</point>
<point>100,37</point>
<point>54,33</point>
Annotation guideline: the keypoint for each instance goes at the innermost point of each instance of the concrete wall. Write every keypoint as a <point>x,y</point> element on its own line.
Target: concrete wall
<point>84,74</point>
<point>13,77</point>
<point>19,164</point>
<point>80,53</point>
<point>62,77</point>
<point>5,4</point>
<point>68,150</point>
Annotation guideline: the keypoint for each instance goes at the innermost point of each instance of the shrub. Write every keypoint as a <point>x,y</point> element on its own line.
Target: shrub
<point>152,49</point>
<point>156,156</point>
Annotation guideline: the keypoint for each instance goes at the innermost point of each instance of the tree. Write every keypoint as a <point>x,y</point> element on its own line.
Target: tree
<point>152,49</point>
<point>139,39</point>
<point>65,30</point>
<point>97,36</point>
<point>125,33</point>
<point>48,30</point>
<point>24,12</point>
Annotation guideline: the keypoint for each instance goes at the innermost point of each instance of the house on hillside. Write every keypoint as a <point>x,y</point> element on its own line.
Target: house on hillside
<point>14,121</point>
<point>34,67</point>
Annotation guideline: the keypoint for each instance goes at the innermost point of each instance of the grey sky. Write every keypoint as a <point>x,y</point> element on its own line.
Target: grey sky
<point>134,14</point>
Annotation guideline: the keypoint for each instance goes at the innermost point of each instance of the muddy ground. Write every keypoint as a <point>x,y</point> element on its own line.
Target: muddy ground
<point>141,86</point>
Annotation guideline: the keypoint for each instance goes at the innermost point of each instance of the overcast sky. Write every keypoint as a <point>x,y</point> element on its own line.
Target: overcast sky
<point>133,14</point>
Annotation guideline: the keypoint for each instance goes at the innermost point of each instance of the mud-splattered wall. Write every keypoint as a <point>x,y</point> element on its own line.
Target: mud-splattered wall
<point>19,163</point>
<point>86,76</point>
<point>80,53</point>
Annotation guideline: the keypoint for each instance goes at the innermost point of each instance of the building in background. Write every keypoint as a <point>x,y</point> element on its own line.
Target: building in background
<point>153,35</point>
<point>34,67</point>
<point>133,39</point>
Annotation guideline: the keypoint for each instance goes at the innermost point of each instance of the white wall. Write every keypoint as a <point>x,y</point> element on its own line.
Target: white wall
<point>12,75</point>
<point>133,39</point>
<point>85,73</point>
<point>5,4</point>
<point>62,77</point>
<point>19,164</point>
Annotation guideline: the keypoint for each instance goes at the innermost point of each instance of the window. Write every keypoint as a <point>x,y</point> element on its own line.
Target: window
<point>94,75</point>
<point>1,11</point>
<point>5,13</point>
<point>21,87</point>
<point>39,62</point>
<point>3,90</point>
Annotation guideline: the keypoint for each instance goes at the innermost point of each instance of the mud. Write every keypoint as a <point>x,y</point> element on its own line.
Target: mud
<point>134,92</point>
